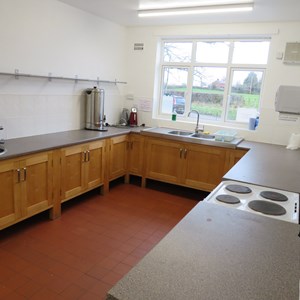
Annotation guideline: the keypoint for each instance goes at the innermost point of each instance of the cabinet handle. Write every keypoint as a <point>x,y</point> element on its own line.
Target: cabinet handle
<point>19,175</point>
<point>88,155</point>
<point>84,156</point>
<point>25,174</point>
<point>185,153</point>
<point>180,154</point>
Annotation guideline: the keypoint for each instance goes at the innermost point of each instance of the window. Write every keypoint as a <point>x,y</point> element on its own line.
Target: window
<point>221,79</point>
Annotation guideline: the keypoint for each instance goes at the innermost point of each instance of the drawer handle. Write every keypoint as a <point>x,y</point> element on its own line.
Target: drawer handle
<point>19,175</point>
<point>185,153</point>
<point>24,174</point>
<point>180,155</point>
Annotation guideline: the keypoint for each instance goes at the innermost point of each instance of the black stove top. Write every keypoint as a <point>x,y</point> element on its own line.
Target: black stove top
<point>274,196</point>
<point>267,207</point>
<point>228,199</point>
<point>237,188</point>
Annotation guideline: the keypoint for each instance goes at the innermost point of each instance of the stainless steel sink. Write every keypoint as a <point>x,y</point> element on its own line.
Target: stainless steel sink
<point>203,136</point>
<point>179,132</point>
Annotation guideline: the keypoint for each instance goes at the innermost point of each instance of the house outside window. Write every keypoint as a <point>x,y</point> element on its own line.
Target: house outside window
<point>221,79</point>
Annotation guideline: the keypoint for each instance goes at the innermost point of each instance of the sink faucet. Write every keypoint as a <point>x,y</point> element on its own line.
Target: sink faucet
<point>198,115</point>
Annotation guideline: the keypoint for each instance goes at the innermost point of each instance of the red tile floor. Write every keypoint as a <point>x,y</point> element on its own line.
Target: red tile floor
<point>97,240</point>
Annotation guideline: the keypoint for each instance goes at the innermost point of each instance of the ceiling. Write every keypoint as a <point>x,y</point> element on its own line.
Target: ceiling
<point>124,12</point>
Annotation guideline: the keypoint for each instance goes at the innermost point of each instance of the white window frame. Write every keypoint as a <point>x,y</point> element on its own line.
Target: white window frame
<point>190,65</point>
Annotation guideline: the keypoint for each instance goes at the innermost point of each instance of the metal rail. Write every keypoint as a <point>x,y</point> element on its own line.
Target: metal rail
<point>17,74</point>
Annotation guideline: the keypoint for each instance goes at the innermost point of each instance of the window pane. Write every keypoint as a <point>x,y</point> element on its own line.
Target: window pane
<point>208,92</point>
<point>178,52</point>
<point>212,52</point>
<point>250,52</point>
<point>174,88</point>
<point>244,95</point>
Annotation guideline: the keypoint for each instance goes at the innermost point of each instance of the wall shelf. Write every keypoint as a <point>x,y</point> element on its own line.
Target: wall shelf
<point>76,79</point>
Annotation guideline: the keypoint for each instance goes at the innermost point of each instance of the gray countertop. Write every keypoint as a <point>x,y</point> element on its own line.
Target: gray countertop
<point>217,252</point>
<point>268,165</point>
<point>264,164</point>
<point>37,143</point>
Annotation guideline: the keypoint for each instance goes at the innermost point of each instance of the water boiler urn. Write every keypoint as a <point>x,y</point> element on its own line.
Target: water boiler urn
<point>95,119</point>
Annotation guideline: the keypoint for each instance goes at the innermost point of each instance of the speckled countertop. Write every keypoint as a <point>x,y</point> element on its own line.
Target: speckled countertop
<point>215,253</point>
<point>32,144</point>
<point>264,164</point>
<point>268,165</point>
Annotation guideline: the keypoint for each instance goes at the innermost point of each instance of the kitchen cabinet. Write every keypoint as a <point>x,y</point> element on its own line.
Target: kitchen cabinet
<point>192,165</point>
<point>163,160</point>
<point>26,187</point>
<point>203,166</point>
<point>233,156</point>
<point>117,161</point>
<point>135,154</point>
<point>82,168</point>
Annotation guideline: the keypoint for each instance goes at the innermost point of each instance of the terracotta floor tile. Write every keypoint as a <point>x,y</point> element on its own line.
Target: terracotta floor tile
<point>97,272</point>
<point>118,255</point>
<point>122,269</point>
<point>15,281</point>
<point>91,246</point>
<point>131,260</point>
<point>127,248</point>
<point>91,296</point>
<point>14,296</point>
<point>85,281</point>
<point>134,241</point>
<point>112,278</point>
<point>29,289</point>
<point>73,292</point>
<point>4,292</point>
<point>108,263</point>
<point>6,273</point>
<point>46,294</point>
<point>101,289</point>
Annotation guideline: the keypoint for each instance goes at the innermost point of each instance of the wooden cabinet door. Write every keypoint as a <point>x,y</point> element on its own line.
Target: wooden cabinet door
<point>36,183</point>
<point>135,154</point>
<point>117,163</point>
<point>72,167</point>
<point>232,157</point>
<point>95,164</point>
<point>203,167</point>
<point>10,197</point>
<point>163,160</point>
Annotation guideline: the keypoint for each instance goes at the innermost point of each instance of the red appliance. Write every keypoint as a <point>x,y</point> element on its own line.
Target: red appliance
<point>133,117</point>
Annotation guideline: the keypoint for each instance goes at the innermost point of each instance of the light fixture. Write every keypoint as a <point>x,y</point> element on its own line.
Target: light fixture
<point>191,10</point>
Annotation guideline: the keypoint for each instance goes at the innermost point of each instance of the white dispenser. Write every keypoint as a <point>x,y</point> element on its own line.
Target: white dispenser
<point>288,99</point>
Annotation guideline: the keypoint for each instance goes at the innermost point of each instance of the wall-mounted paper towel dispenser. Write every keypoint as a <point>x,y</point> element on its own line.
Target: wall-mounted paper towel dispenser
<point>288,99</point>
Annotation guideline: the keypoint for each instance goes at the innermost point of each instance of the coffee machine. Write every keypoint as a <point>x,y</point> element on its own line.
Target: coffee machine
<point>133,117</point>
<point>95,119</point>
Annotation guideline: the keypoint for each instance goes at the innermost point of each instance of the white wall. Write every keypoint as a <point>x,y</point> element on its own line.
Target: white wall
<point>141,73</point>
<point>41,37</point>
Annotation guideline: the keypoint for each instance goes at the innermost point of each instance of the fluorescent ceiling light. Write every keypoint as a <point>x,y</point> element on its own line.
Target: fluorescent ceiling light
<point>192,10</point>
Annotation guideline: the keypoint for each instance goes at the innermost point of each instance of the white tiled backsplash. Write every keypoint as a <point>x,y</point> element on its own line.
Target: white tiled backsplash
<point>26,115</point>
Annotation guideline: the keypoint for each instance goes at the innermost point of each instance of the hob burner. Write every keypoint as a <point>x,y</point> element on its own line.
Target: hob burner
<point>228,199</point>
<point>267,208</point>
<point>274,196</point>
<point>237,188</point>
